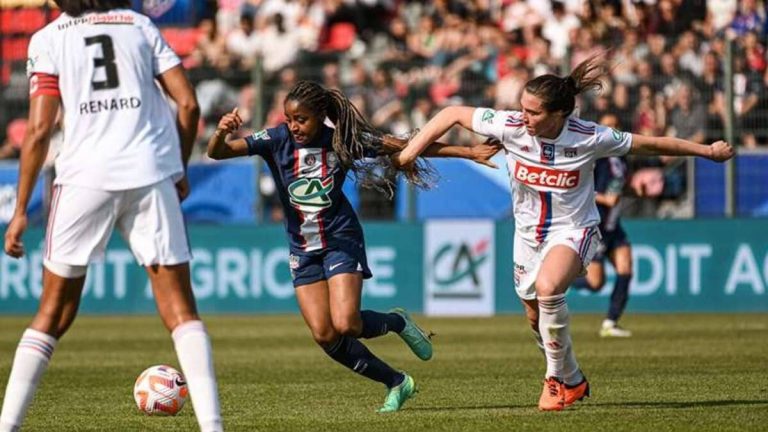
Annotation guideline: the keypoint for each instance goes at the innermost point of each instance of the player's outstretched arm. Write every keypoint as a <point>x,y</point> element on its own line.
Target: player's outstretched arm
<point>719,151</point>
<point>219,147</point>
<point>434,129</point>
<point>42,117</point>
<point>481,153</point>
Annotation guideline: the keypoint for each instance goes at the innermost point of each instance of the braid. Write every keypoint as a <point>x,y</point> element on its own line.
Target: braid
<point>355,139</point>
<point>351,129</point>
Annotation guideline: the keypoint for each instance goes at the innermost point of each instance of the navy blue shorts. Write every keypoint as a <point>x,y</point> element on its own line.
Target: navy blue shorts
<point>307,268</point>
<point>612,240</point>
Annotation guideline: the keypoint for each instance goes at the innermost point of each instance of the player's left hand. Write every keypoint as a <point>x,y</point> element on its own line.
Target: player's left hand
<point>13,245</point>
<point>720,151</point>
<point>182,188</point>
<point>482,153</point>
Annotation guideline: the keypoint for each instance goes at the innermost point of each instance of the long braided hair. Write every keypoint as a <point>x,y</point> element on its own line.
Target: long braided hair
<point>356,139</point>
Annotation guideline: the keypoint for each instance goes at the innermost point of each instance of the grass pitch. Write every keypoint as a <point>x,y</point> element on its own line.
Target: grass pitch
<point>678,372</point>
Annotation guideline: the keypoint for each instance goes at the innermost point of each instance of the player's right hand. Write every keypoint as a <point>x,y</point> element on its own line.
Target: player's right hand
<point>230,122</point>
<point>13,244</point>
<point>720,151</point>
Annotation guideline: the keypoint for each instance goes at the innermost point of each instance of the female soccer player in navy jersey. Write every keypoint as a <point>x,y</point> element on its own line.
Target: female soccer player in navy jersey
<point>309,162</point>
<point>551,156</point>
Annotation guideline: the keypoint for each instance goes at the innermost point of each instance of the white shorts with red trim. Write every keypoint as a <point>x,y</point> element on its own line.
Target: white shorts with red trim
<point>529,255</point>
<point>149,219</point>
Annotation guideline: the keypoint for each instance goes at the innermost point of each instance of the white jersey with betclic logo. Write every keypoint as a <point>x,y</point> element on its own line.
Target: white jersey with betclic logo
<point>552,180</point>
<point>119,130</point>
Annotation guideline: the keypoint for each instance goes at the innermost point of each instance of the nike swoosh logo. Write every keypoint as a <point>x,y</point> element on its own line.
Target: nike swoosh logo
<point>333,266</point>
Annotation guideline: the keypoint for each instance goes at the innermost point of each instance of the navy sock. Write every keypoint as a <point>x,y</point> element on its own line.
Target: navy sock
<point>581,283</point>
<point>351,353</point>
<point>619,297</point>
<point>376,324</point>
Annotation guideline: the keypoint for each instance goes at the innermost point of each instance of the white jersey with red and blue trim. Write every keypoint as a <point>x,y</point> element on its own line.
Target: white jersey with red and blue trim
<point>552,179</point>
<point>119,129</point>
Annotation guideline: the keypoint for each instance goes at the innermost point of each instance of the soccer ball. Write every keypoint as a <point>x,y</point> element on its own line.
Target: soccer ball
<point>160,390</point>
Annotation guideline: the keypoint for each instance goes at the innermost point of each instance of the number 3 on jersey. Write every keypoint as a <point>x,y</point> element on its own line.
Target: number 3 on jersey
<point>107,61</point>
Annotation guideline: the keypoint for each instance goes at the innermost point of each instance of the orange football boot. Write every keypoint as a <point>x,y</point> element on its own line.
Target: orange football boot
<point>577,392</point>
<point>553,395</point>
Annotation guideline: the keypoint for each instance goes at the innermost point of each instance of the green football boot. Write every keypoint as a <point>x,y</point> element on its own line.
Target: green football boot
<point>398,395</point>
<point>416,339</point>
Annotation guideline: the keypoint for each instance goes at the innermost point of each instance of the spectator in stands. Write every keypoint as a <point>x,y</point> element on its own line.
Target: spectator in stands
<point>211,48</point>
<point>14,135</point>
<point>243,42</point>
<point>748,19</point>
<point>559,30</point>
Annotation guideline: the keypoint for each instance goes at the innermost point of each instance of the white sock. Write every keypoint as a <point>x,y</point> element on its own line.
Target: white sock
<point>539,342</point>
<point>193,347</point>
<point>571,372</point>
<point>609,323</point>
<point>553,326</point>
<point>32,356</point>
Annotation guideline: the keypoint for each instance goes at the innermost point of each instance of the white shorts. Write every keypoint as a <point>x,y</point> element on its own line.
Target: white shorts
<point>149,219</point>
<point>530,254</point>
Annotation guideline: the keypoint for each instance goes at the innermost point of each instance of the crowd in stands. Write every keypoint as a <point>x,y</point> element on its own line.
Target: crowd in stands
<point>400,61</point>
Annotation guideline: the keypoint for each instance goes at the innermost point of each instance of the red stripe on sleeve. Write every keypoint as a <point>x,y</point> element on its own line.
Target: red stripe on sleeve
<point>44,84</point>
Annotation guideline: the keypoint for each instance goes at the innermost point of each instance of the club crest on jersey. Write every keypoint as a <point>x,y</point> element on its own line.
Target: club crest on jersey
<point>311,192</point>
<point>548,152</point>
<point>261,135</point>
<point>570,152</point>
<point>31,61</point>
<point>488,116</point>
<point>617,135</point>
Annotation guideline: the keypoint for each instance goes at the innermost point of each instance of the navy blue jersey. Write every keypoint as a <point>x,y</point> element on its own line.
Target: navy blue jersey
<point>309,179</point>
<point>610,177</point>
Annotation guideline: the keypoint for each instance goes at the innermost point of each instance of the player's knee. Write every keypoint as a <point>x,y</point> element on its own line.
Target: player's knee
<point>348,327</point>
<point>546,287</point>
<point>325,336</point>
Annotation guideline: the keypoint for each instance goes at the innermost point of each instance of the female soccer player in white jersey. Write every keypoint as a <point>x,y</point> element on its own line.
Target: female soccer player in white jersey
<point>551,156</point>
<point>122,165</point>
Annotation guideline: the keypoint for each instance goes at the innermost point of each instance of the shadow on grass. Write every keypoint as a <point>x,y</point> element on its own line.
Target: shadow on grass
<point>678,405</point>
<point>475,407</point>
<point>628,405</point>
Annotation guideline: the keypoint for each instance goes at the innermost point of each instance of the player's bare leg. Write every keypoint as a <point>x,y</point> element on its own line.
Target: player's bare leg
<point>595,276</point>
<point>558,269</point>
<point>57,310</point>
<point>176,304</point>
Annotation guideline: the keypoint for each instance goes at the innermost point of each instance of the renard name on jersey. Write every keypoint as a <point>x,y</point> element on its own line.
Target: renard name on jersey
<point>103,67</point>
<point>97,106</point>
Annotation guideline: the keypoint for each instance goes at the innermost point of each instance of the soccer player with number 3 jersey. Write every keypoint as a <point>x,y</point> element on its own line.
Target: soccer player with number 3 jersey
<point>550,157</point>
<point>122,165</point>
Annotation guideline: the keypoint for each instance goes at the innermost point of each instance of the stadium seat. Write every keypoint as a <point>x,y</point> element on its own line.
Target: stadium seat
<point>21,21</point>
<point>341,36</point>
<point>15,48</point>
<point>182,40</point>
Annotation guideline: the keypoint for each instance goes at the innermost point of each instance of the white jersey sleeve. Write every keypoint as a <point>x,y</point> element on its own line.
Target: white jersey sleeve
<point>502,125</point>
<point>611,142</point>
<point>163,57</point>
<point>39,59</point>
